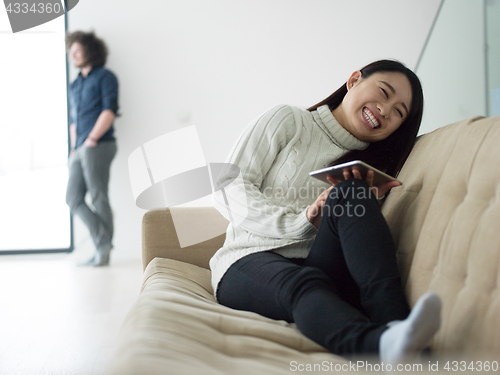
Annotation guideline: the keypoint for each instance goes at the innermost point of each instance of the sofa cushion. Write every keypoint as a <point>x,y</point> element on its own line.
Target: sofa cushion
<point>445,220</point>
<point>177,327</point>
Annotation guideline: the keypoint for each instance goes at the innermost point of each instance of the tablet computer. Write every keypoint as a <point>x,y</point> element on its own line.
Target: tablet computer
<point>337,172</point>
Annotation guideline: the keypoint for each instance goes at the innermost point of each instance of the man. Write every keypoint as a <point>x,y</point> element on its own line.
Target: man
<point>93,108</point>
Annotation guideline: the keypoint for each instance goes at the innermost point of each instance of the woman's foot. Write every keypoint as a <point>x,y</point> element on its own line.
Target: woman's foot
<point>407,339</point>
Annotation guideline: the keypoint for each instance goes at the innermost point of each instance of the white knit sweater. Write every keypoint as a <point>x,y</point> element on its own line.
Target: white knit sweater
<point>266,205</point>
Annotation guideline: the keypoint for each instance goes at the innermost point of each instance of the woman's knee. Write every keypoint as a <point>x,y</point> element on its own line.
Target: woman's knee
<point>306,280</point>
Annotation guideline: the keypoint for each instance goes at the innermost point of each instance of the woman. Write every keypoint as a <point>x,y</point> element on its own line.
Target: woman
<point>322,256</point>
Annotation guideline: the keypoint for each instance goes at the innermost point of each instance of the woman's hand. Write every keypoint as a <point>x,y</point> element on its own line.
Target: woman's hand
<point>378,191</point>
<point>313,213</point>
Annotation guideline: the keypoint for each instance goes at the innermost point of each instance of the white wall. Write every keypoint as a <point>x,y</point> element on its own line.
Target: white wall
<point>452,69</point>
<point>223,62</point>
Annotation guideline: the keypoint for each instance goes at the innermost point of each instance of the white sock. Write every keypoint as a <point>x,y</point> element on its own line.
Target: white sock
<point>406,339</point>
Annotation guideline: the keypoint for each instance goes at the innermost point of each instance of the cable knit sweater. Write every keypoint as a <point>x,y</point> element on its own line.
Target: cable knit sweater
<point>267,200</point>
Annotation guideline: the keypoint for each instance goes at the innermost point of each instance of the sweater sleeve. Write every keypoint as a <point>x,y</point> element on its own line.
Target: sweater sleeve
<point>241,200</point>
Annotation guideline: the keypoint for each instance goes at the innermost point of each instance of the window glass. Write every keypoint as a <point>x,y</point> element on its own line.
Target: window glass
<point>33,138</point>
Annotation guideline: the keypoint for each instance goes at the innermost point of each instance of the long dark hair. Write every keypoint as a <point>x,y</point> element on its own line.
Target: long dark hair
<point>388,154</point>
<point>95,49</point>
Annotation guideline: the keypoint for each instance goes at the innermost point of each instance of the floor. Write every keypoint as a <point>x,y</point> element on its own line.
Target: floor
<point>57,318</point>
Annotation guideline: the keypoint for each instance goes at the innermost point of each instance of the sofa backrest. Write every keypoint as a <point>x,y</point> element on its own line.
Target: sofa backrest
<point>160,235</point>
<point>445,221</point>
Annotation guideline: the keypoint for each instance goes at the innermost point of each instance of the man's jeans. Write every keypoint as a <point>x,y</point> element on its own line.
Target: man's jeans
<point>89,171</point>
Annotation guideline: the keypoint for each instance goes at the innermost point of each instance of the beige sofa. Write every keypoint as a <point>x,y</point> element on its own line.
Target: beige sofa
<point>445,220</point>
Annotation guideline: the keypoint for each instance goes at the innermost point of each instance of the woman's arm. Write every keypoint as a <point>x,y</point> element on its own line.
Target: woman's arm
<point>255,152</point>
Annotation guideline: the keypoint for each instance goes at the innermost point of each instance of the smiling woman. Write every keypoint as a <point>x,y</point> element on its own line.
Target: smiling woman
<point>390,94</point>
<point>326,263</point>
<point>376,106</point>
<point>33,140</point>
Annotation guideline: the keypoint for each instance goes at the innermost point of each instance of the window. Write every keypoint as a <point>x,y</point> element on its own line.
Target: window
<point>33,139</point>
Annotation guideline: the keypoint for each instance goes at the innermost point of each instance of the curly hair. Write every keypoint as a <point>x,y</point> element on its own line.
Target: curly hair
<point>94,48</point>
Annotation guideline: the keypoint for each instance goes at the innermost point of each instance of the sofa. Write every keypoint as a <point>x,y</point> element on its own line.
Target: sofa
<point>445,221</point>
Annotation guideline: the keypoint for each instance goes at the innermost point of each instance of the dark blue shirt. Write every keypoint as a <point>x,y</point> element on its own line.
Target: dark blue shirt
<point>88,97</point>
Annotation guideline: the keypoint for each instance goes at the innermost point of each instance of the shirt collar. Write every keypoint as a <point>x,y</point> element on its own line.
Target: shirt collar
<point>91,71</point>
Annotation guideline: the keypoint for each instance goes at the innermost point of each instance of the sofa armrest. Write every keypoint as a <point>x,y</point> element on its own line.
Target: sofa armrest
<point>159,236</point>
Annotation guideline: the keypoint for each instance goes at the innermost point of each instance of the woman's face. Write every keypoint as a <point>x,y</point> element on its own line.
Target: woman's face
<point>374,107</point>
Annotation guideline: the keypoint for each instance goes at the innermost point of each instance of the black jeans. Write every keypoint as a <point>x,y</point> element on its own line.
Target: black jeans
<point>345,291</point>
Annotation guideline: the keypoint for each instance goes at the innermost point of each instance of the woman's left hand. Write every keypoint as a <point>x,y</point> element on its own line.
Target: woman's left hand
<point>378,191</point>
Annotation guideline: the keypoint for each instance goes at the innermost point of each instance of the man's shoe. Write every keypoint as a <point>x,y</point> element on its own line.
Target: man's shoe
<point>102,258</point>
<point>87,263</point>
